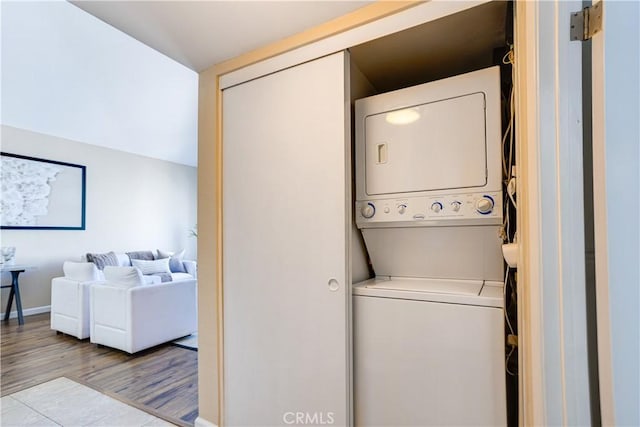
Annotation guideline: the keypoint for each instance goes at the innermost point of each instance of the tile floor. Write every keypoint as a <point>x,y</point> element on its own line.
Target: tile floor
<point>63,402</point>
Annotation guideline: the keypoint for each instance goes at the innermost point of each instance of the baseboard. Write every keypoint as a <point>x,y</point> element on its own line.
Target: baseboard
<point>201,422</point>
<point>29,311</point>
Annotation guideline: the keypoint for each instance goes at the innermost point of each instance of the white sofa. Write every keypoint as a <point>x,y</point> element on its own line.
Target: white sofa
<point>70,294</point>
<point>128,315</point>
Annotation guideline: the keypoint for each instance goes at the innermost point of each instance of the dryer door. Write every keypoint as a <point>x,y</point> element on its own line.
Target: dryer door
<point>434,146</point>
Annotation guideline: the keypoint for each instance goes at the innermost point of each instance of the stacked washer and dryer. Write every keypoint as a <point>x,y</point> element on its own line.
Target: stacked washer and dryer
<point>429,328</point>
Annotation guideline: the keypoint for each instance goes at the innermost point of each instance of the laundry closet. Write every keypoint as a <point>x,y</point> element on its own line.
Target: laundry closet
<point>364,208</point>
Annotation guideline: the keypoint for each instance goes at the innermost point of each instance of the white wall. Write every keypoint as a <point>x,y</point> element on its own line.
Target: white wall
<point>617,211</point>
<point>133,203</point>
<point>68,74</point>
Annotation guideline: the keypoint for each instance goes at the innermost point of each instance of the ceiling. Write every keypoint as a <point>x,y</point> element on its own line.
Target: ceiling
<point>199,34</point>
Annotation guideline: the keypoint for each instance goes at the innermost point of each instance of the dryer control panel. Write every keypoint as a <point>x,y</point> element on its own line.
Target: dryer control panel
<point>443,210</point>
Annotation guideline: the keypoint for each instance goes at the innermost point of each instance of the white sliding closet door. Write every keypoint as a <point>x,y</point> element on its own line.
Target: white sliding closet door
<point>286,206</point>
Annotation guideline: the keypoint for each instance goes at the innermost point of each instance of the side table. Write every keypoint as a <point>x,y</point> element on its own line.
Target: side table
<point>15,271</point>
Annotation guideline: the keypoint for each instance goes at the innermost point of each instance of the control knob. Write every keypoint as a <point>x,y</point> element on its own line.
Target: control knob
<point>402,208</point>
<point>436,207</point>
<point>485,205</point>
<point>455,206</point>
<point>368,210</point>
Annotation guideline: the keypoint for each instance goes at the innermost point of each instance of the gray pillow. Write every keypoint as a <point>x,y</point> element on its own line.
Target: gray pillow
<point>143,255</point>
<point>103,260</point>
<point>175,260</point>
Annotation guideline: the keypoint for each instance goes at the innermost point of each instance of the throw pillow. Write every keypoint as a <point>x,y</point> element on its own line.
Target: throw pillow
<point>152,267</point>
<point>175,260</point>
<point>103,260</point>
<point>146,255</point>
<point>125,277</point>
<point>80,271</point>
<point>123,259</point>
<point>164,254</point>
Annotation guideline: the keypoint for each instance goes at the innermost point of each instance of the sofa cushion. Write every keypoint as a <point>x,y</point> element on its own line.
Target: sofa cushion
<point>145,255</point>
<point>165,277</point>
<point>151,279</point>
<point>175,260</point>
<point>103,260</point>
<point>176,277</point>
<point>152,267</point>
<point>125,277</point>
<point>80,271</point>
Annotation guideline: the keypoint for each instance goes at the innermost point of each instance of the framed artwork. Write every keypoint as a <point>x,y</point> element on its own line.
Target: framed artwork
<point>41,194</point>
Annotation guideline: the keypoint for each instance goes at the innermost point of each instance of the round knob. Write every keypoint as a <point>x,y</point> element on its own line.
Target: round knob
<point>485,205</point>
<point>455,206</point>
<point>387,210</point>
<point>436,207</point>
<point>402,209</point>
<point>368,210</point>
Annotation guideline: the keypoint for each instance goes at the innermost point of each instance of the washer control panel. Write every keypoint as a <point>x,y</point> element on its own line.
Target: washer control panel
<point>450,208</point>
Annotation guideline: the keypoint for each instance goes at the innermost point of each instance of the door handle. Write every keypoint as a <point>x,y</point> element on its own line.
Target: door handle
<point>382,153</point>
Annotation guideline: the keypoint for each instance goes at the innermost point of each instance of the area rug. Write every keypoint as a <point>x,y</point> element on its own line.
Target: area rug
<point>190,342</point>
<point>63,402</point>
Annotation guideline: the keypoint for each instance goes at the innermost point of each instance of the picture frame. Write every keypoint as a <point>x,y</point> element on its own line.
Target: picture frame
<point>42,194</point>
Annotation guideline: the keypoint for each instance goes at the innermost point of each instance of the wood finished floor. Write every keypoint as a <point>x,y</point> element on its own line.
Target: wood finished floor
<point>161,380</point>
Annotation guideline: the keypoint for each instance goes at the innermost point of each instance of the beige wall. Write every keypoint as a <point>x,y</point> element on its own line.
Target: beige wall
<point>133,203</point>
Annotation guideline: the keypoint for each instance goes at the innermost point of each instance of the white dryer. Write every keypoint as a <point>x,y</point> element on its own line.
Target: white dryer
<point>428,331</point>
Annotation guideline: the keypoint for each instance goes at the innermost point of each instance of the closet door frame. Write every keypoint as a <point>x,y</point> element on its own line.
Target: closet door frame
<point>370,22</point>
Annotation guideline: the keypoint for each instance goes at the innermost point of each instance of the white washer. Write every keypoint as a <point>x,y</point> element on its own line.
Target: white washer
<point>428,353</point>
<point>428,332</point>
